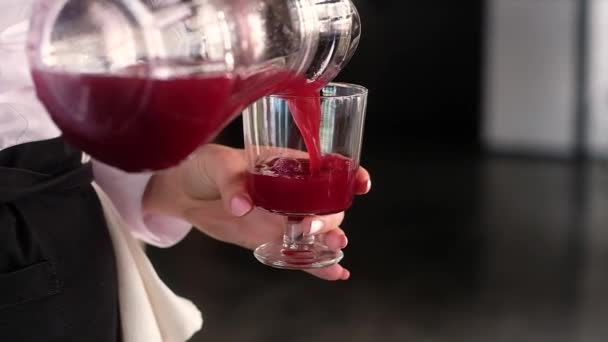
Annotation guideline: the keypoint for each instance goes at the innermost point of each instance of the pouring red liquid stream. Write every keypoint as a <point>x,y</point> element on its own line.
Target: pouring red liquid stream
<point>306,112</point>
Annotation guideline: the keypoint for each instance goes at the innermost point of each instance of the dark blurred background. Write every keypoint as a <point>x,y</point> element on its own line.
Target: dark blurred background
<point>488,214</point>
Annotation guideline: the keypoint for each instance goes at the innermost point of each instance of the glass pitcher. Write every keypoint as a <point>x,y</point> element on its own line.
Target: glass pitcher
<point>140,84</point>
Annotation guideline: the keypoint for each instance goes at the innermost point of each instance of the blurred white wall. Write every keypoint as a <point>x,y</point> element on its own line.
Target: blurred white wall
<point>598,79</point>
<point>530,93</point>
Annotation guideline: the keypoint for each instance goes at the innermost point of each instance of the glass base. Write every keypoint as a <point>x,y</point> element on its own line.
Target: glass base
<point>304,257</point>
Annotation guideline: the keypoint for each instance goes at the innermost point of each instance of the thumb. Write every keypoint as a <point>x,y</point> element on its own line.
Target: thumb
<point>222,173</point>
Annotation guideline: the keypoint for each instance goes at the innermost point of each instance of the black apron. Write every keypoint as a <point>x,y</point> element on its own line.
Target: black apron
<point>57,269</point>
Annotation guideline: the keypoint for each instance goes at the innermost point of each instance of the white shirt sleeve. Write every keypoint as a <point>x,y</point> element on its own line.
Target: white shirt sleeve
<point>126,191</point>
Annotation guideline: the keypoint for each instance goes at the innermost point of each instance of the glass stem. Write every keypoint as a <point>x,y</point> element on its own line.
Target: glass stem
<point>294,237</point>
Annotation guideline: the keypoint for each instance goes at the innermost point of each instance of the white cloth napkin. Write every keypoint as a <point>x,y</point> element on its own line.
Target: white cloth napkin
<point>149,310</point>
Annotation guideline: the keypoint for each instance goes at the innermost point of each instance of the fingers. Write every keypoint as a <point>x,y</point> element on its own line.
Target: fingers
<point>322,224</point>
<point>335,239</point>
<point>225,169</point>
<point>363,183</point>
<point>331,273</point>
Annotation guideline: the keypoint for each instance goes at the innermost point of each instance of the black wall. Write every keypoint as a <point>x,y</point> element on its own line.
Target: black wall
<point>422,61</point>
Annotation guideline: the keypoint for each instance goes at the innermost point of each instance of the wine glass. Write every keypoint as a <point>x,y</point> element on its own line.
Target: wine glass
<point>298,175</point>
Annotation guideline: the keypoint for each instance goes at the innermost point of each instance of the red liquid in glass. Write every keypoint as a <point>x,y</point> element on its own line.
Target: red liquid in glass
<point>287,186</point>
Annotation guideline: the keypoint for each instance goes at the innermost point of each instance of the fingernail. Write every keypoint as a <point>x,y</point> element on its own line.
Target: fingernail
<point>240,205</point>
<point>316,227</point>
<point>369,185</point>
<point>343,241</point>
<point>345,274</point>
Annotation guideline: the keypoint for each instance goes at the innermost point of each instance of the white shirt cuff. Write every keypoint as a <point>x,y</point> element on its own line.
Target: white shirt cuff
<point>126,190</point>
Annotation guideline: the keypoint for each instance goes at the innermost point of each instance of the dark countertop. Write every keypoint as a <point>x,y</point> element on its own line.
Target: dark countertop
<point>446,248</point>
